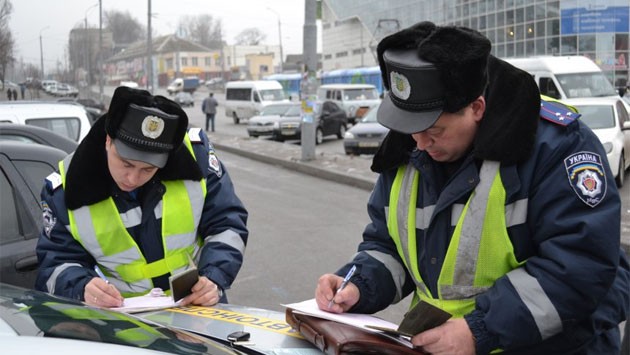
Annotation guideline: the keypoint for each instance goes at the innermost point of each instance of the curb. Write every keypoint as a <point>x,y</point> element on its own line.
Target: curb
<point>293,163</point>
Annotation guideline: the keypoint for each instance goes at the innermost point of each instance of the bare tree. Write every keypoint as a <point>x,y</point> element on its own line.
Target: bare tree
<point>250,37</point>
<point>124,27</point>
<point>203,29</point>
<point>6,38</point>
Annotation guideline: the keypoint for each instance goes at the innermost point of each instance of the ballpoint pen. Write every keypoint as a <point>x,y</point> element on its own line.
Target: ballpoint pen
<point>100,273</point>
<point>343,284</point>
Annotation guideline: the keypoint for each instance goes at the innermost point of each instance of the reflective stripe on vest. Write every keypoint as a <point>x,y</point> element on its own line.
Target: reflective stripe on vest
<point>479,252</point>
<point>93,226</point>
<point>139,334</point>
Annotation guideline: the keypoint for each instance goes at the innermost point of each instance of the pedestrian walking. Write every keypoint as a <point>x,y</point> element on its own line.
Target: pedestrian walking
<point>493,204</point>
<point>209,107</point>
<point>141,195</point>
<point>9,94</point>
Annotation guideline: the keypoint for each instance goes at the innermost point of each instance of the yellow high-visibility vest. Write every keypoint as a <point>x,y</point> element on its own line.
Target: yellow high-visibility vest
<point>101,231</point>
<point>480,250</point>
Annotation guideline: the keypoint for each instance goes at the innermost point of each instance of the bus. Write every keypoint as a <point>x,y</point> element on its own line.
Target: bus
<point>366,75</point>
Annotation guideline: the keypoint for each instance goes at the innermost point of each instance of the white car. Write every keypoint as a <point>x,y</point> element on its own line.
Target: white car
<point>609,118</point>
<point>66,119</point>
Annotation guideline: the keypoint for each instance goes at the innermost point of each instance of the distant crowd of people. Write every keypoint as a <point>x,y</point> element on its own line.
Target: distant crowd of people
<point>12,94</point>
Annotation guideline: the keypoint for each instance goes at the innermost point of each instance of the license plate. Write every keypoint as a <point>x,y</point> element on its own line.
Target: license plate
<point>368,144</point>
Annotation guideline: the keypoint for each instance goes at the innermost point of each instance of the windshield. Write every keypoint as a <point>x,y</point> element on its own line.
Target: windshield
<point>370,116</point>
<point>360,94</point>
<point>276,110</point>
<point>586,85</point>
<point>272,95</point>
<point>597,116</point>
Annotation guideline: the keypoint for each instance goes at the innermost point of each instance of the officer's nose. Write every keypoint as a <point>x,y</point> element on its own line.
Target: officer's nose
<point>423,140</point>
<point>133,176</point>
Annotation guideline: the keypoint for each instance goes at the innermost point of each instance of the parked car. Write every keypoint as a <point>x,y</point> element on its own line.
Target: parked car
<point>354,99</point>
<point>88,102</point>
<point>267,122</point>
<point>93,113</point>
<point>34,322</point>
<point>184,99</point>
<point>129,84</point>
<point>609,118</point>
<point>67,119</point>
<point>366,136</point>
<point>24,168</point>
<point>329,118</point>
<point>36,135</point>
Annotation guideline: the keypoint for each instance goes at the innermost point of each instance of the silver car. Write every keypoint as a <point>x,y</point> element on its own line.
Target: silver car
<point>366,136</point>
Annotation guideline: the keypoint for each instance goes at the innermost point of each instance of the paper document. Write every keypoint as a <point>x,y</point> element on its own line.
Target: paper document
<point>355,319</point>
<point>154,300</point>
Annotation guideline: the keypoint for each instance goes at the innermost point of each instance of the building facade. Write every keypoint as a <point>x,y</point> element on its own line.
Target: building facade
<point>175,57</point>
<point>598,29</point>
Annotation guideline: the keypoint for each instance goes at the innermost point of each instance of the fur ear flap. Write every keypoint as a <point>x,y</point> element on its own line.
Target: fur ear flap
<point>461,56</point>
<point>512,105</point>
<point>394,151</point>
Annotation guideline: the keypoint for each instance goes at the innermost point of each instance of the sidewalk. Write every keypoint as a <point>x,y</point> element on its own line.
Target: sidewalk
<point>350,170</point>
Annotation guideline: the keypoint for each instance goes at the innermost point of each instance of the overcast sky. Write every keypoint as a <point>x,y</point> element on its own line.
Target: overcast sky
<point>55,18</point>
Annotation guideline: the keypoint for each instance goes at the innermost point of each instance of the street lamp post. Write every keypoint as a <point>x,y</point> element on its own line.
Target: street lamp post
<point>41,51</point>
<point>279,37</point>
<point>87,46</point>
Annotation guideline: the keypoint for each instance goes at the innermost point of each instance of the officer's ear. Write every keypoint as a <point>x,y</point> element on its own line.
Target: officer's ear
<point>478,108</point>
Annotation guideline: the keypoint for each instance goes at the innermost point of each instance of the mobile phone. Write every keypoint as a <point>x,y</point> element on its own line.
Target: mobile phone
<point>238,336</point>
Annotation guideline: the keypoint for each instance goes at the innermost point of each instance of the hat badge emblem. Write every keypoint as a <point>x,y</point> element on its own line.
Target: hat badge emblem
<point>400,85</point>
<point>152,127</point>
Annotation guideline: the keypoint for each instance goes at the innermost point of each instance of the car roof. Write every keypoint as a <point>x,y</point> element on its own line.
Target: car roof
<point>26,151</point>
<point>40,135</point>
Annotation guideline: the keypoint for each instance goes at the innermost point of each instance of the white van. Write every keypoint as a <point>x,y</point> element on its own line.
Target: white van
<point>566,77</point>
<point>355,99</point>
<point>68,120</point>
<point>244,99</point>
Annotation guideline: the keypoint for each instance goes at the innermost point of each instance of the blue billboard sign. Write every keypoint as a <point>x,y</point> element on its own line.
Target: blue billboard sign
<point>594,19</point>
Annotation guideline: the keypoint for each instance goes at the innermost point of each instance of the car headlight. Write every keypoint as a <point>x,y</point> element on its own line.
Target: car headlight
<point>348,135</point>
<point>352,110</point>
<point>276,125</point>
<point>608,147</point>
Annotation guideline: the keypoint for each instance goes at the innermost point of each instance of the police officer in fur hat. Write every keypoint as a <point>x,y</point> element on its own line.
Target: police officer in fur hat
<point>140,197</point>
<point>492,204</point>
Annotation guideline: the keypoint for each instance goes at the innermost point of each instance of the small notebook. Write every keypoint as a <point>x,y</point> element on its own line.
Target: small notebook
<point>182,283</point>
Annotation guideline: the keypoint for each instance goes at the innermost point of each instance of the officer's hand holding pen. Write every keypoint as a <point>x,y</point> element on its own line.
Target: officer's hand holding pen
<point>99,292</point>
<point>336,295</point>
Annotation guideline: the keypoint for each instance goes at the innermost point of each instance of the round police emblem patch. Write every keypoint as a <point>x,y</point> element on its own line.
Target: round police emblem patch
<point>49,219</point>
<point>213,164</point>
<point>587,177</point>
<point>152,127</point>
<point>400,85</point>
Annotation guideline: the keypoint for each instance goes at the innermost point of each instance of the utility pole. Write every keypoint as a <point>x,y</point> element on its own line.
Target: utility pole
<point>279,38</point>
<point>149,53</point>
<point>41,52</point>
<point>87,54</point>
<point>308,86</point>
<point>100,50</point>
